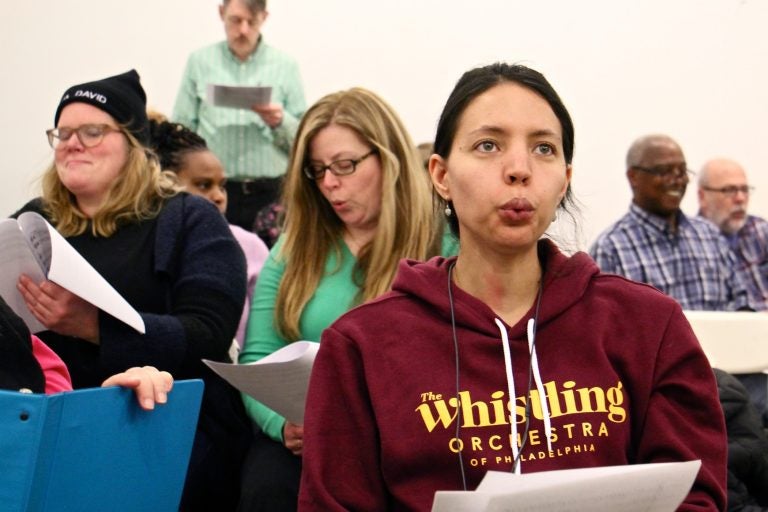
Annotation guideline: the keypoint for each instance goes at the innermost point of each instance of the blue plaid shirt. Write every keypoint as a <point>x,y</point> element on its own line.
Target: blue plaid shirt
<point>750,245</point>
<point>694,265</point>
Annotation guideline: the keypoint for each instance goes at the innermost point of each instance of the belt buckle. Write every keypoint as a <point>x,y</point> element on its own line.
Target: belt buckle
<point>245,186</point>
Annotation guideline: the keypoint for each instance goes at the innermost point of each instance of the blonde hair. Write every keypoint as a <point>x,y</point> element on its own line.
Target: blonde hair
<point>137,194</point>
<point>408,226</point>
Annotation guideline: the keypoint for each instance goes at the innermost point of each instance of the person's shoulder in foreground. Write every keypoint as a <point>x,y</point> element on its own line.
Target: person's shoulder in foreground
<point>747,446</point>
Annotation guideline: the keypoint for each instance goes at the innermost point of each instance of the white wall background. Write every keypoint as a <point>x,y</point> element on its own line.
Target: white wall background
<point>690,68</point>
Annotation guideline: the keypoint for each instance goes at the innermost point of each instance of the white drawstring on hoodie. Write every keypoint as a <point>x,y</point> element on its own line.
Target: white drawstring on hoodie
<point>531,332</point>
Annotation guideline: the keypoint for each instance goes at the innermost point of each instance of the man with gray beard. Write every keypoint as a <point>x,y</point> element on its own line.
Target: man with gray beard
<point>723,199</point>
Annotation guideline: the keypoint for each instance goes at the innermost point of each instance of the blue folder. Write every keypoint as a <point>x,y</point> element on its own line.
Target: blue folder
<point>95,450</point>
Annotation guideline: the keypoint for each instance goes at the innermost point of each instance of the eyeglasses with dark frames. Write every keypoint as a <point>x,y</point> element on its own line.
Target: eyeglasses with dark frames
<point>731,190</point>
<point>342,167</point>
<point>89,135</point>
<point>667,172</point>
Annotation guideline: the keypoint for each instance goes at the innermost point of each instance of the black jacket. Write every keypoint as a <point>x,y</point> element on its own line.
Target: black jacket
<point>18,367</point>
<point>747,447</point>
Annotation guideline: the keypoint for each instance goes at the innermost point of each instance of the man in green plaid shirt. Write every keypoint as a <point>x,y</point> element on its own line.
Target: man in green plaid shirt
<point>253,144</point>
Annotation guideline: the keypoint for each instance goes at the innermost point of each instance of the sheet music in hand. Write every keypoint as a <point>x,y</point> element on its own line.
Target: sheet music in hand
<point>279,381</point>
<point>31,246</point>
<point>237,96</point>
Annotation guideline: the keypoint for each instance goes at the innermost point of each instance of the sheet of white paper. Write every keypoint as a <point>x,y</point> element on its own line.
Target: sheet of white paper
<point>641,487</point>
<point>460,501</point>
<point>35,229</point>
<point>70,270</point>
<point>279,381</point>
<point>16,258</point>
<point>234,96</point>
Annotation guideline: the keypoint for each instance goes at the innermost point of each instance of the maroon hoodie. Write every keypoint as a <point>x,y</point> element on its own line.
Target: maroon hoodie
<point>622,377</point>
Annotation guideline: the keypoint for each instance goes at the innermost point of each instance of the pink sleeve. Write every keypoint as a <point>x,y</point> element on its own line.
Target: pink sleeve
<point>256,253</point>
<point>55,371</point>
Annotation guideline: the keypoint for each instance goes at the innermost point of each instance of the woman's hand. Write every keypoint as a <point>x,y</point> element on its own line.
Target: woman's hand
<point>293,437</point>
<point>150,385</point>
<point>60,310</point>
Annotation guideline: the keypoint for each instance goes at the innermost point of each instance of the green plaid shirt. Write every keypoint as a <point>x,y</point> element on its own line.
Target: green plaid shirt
<point>247,147</point>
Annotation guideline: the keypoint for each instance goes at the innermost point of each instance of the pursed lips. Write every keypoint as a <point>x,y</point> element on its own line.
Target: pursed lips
<point>518,204</point>
<point>517,209</point>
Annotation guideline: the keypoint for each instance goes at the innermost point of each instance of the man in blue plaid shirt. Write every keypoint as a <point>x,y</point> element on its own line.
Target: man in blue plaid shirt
<point>656,243</point>
<point>723,199</point>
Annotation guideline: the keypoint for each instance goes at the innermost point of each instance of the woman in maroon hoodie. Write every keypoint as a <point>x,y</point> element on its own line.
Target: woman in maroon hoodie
<point>512,356</point>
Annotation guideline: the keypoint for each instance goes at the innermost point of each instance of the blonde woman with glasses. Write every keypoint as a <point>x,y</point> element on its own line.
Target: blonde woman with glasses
<point>169,254</point>
<point>357,201</point>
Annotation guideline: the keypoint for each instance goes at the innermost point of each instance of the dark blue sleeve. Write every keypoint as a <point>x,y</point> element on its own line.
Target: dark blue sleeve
<point>196,251</point>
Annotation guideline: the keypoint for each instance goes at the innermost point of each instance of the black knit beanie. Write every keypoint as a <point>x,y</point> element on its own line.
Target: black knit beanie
<point>120,96</point>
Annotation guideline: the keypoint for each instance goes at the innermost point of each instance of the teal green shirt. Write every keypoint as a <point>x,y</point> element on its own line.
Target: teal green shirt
<point>334,296</point>
<point>247,146</point>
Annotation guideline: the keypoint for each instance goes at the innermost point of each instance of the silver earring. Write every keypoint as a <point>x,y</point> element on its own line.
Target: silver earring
<point>448,210</point>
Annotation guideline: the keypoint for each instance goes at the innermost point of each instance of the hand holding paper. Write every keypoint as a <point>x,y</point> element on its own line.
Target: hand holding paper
<point>60,310</point>
<point>271,114</point>
<point>234,96</point>
<point>33,248</point>
<point>293,437</point>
